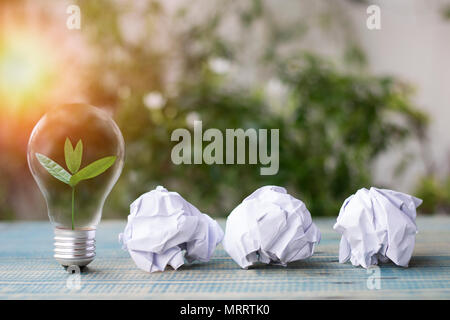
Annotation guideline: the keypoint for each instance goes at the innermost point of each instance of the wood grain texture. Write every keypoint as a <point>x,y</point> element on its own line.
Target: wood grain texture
<point>28,270</point>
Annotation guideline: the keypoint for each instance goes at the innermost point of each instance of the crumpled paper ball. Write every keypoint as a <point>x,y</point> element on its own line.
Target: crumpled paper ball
<point>270,226</point>
<point>162,225</point>
<point>377,225</point>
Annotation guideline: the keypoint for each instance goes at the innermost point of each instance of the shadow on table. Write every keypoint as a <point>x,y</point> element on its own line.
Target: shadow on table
<point>210,265</point>
<point>84,270</point>
<point>426,261</point>
<point>315,262</point>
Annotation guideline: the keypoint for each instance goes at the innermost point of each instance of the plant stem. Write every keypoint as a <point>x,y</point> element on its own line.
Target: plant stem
<point>73,207</point>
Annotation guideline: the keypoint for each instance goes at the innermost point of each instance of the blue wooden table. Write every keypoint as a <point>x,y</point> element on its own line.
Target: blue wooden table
<point>28,271</point>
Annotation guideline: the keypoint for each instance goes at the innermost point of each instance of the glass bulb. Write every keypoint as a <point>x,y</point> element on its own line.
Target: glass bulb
<point>75,154</point>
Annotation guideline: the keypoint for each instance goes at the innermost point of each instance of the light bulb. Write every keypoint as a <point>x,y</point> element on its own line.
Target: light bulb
<point>75,154</point>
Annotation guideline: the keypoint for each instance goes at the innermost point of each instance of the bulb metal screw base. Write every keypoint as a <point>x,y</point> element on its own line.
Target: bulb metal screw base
<point>74,247</point>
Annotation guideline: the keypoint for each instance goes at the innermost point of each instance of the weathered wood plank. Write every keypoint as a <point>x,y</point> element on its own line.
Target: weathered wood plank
<point>28,271</point>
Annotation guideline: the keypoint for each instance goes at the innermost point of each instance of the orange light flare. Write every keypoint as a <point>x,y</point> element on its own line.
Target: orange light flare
<point>42,64</point>
<point>35,71</point>
<point>26,69</point>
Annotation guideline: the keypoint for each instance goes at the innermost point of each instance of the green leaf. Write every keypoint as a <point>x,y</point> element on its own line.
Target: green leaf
<point>92,170</point>
<point>73,157</point>
<point>54,169</point>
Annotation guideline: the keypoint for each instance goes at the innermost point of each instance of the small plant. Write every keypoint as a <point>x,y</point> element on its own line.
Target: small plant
<point>73,159</point>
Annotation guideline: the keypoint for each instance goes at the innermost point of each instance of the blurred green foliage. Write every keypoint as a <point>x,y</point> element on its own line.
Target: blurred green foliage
<point>333,121</point>
<point>445,12</point>
<point>6,212</point>
<point>435,193</point>
<point>341,123</point>
<point>334,117</point>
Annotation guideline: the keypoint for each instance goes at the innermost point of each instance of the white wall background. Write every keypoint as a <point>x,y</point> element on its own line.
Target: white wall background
<point>414,45</point>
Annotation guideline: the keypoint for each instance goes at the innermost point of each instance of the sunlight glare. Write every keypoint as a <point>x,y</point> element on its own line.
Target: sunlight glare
<point>25,68</point>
